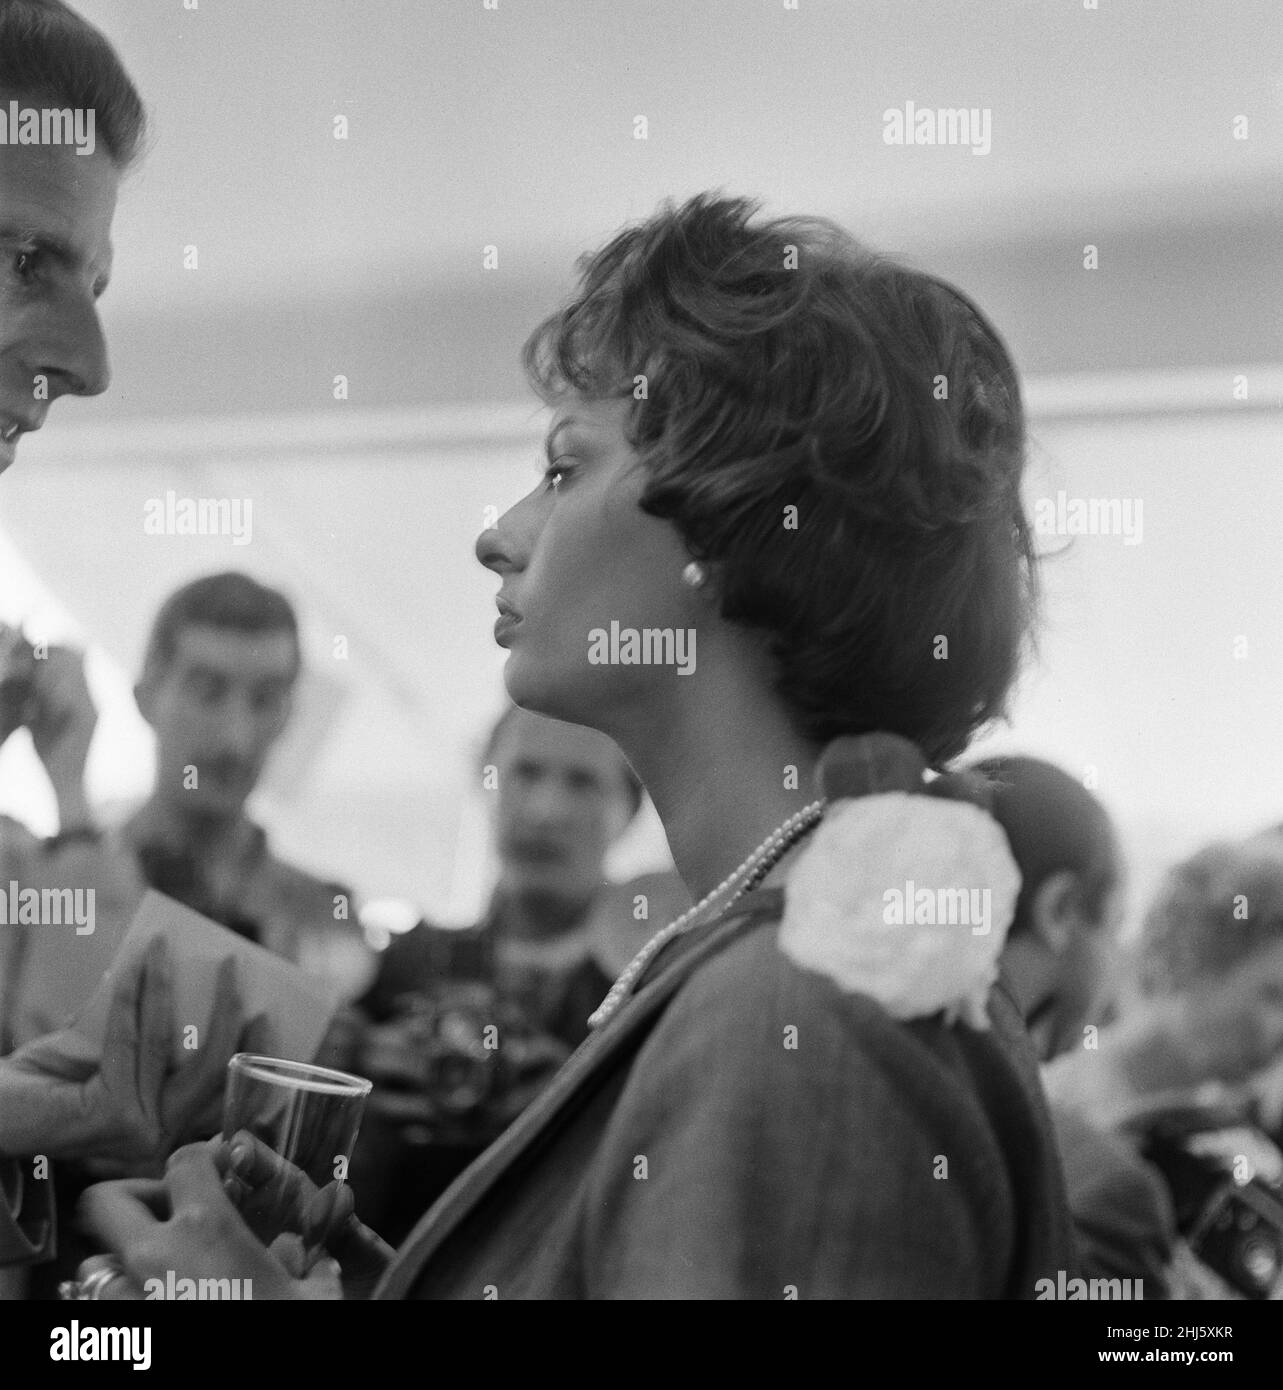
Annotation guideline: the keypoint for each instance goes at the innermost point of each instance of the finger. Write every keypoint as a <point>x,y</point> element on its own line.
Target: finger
<point>119,1287</point>
<point>151,1192</point>
<point>327,1212</point>
<point>120,1035</point>
<point>277,1193</point>
<point>255,1162</point>
<point>193,1094</point>
<point>155,1028</point>
<point>117,1215</point>
<point>195,1184</point>
<point>324,1280</point>
<point>363,1254</point>
<point>297,1258</point>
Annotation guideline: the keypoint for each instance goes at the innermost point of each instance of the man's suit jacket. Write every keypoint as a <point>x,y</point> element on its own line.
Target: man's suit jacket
<point>744,1129</point>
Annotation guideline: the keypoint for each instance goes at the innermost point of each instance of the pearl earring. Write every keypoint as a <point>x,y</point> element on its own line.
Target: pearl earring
<point>694,574</point>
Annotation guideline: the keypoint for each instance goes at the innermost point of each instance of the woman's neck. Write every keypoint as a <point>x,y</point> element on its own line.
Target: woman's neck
<point>723,772</point>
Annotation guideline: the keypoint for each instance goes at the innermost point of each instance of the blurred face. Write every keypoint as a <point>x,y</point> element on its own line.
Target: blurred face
<point>219,706</point>
<point>563,798</point>
<point>576,554</point>
<point>56,208</point>
<point>1077,988</point>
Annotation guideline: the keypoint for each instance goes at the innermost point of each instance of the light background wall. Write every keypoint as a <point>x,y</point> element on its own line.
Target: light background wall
<point>514,128</point>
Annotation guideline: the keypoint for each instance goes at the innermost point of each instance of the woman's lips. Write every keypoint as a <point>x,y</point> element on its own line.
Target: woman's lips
<point>508,619</point>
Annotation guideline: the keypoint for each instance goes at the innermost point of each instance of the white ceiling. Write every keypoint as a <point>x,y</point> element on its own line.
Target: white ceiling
<point>514,127</point>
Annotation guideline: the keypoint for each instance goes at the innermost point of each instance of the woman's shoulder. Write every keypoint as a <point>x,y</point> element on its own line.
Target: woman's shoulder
<point>762,1015</point>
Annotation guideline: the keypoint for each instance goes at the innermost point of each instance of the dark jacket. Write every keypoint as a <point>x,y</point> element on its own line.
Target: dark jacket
<point>686,1150</point>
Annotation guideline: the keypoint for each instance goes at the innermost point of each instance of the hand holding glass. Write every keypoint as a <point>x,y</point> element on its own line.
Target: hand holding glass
<point>310,1117</point>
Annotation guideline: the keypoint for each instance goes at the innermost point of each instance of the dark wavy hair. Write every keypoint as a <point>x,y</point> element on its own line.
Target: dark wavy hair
<point>229,600</point>
<point>787,366</point>
<point>49,53</point>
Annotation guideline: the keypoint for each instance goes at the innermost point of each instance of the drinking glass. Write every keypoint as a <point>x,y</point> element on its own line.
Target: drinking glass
<point>309,1115</point>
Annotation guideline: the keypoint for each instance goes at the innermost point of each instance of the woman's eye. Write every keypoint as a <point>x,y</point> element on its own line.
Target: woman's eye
<point>556,473</point>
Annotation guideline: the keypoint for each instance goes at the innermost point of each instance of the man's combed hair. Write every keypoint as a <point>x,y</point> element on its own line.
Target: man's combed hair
<point>48,53</point>
<point>1053,824</point>
<point>231,600</point>
<point>780,364</point>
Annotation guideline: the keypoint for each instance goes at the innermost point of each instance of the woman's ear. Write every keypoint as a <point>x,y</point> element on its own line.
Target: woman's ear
<point>1055,910</point>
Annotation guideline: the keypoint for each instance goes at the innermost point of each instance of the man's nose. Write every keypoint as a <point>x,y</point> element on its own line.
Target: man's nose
<point>238,729</point>
<point>73,355</point>
<point>547,804</point>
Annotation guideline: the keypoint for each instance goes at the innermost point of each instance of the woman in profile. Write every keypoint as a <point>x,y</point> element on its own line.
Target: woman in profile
<point>780,522</point>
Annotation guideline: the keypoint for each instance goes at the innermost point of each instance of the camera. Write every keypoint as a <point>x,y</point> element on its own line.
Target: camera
<point>480,1059</point>
<point>1225,1178</point>
<point>460,1070</point>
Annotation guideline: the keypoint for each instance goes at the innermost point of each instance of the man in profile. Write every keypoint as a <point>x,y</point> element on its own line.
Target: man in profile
<point>56,208</point>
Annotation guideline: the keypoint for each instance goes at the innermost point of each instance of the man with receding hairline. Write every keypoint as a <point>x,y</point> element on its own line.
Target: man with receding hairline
<point>56,208</point>
<point>57,201</point>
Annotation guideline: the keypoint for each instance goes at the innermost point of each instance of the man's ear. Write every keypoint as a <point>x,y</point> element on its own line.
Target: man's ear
<point>145,696</point>
<point>1055,910</point>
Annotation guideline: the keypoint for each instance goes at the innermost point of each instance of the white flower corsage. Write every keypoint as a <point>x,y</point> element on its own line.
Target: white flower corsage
<point>906,898</point>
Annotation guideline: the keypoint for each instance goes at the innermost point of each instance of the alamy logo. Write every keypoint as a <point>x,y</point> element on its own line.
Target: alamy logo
<point>950,125</point>
<point>47,907</point>
<point>1090,516</point>
<point>47,125</point>
<point>1063,1287</point>
<point>91,1343</point>
<point>199,516</point>
<point>171,1287</point>
<point>647,646</point>
<point>929,907</point>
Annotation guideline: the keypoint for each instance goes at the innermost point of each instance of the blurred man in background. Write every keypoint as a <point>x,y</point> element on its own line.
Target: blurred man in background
<point>1059,947</point>
<point>1058,960</point>
<point>467,1026</point>
<point>216,687</point>
<point>1166,1080</point>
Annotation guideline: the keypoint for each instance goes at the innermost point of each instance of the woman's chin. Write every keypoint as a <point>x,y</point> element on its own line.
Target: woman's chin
<point>530,688</point>
<point>557,694</point>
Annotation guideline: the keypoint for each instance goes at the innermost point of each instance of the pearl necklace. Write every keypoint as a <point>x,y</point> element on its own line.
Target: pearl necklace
<point>753,870</point>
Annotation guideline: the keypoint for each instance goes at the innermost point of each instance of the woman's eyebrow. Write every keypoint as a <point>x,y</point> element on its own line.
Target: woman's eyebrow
<point>569,423</point>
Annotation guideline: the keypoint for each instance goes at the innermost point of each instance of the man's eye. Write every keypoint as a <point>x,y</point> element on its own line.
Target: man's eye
<point>26,265</point>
